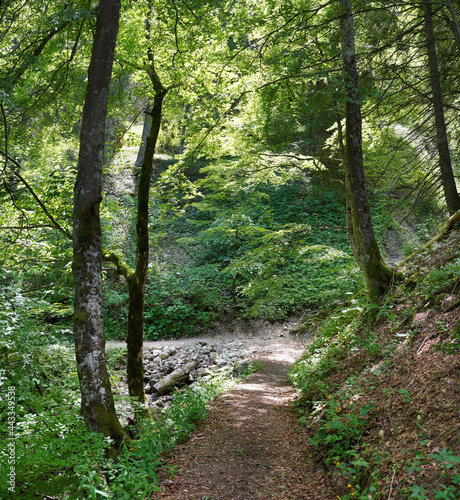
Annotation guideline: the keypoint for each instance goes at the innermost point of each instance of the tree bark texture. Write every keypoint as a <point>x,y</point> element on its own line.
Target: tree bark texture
<point>445,165</point>
<point>145,133</point>
<point>135,337</point>
<point>454,21</point>
<point>359,224</point>
<point>96,395</point>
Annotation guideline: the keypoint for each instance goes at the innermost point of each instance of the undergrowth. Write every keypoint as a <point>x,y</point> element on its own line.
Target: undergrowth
<point>349,394</point>
<point>45,448</point>
<point>134,473</point>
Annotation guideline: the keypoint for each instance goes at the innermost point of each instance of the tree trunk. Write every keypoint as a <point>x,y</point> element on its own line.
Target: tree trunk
<point>135,337</point>
<point>96,395</point>
<point>136,282</point>
<point>182,134</point>
<point>454,21</point>
<point>445,165</point>
<point>145,133</point>
<point>359,224</point>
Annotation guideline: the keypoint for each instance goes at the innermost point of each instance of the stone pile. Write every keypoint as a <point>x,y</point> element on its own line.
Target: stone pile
<point>172,366</point>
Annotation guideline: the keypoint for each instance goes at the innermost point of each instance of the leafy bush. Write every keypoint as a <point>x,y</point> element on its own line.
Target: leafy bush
<point>181,303</point>
<point>333,340</point>
<point>49,442</point>
<point>285,276</point>
<point>115,311</point>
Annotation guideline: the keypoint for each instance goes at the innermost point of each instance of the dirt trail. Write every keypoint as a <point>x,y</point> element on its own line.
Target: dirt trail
<point>250,445</point>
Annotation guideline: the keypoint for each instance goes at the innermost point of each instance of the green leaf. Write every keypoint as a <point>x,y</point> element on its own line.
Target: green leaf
<point>366,409</point>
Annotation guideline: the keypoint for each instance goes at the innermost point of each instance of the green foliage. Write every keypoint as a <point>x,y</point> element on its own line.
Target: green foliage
<point>324,354</point>
<point>444,460</point>
<point>52,445</point>
<point>115,310</point>
<point>340,421</point>
<point>181,302</point>
<point>283,276</point>
<point>54,453</point>
<point>437,278</point>
<point>278,238</point>
<point>452,344</point>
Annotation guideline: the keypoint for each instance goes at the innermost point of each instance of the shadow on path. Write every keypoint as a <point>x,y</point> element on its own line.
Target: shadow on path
<point>249,446</point>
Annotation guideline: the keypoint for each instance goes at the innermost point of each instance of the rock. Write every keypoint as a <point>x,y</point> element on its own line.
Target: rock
<point>151,354</point>
<point>150,367</point>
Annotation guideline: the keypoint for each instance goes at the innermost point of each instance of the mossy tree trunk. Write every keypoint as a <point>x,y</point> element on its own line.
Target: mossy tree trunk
<point>137,280</point>
<point>442,143</point>
<point>97,403</point>
<point>359,224</point>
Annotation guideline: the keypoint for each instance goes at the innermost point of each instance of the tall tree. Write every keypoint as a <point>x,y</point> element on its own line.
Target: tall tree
<point>97,400</point>
<point>447,176</point>
<point>166,60</point>
<point>359,224</point>
<point>137,280</point>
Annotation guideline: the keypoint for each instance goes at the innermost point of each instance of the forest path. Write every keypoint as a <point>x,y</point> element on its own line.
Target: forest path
<point>250,445</point>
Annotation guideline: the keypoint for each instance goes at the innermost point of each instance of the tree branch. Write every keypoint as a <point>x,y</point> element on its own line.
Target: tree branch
<point>33,226</point>
<point>122,267</point>
<point>35,196</point>
<point>448,226</point>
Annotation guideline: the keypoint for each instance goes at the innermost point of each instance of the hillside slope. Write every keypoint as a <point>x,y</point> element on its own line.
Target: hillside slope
<point>380,385</point>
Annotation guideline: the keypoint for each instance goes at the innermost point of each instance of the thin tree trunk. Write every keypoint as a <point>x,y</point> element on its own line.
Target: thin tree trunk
<point>136,282</point>
<point>445,165</point>
<point>340,136</point>
<point>96,395</point>
<point>455,22</point>
<point>145,133</point>
<point>135,337</point>
<point>359,224</point>
<point>184,128</point>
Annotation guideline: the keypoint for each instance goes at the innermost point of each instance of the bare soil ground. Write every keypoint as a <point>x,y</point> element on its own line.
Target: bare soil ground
<point>250,445</point>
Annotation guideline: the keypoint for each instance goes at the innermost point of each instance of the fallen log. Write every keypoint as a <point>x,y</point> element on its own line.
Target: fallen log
<point>175,378</point>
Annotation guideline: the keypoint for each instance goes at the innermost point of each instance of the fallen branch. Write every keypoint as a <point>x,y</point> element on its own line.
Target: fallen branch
<point>174,379</point>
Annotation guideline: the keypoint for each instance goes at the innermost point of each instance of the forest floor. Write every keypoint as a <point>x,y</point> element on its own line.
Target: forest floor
<point>397,384</point>
<point>250,446</point>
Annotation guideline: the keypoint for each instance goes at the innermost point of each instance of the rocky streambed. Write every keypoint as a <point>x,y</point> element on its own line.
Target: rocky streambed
<point>171,366</point>
<point>176,363</point>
